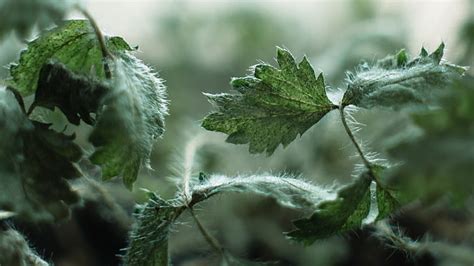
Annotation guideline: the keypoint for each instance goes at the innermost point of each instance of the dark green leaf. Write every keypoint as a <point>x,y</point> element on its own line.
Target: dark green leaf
<point>331,217</point>
<point>272,106</point>
<point>74,44</point>
<point>395,82</point>
<point>387,204</point>
<point>34,164</point>
<point>75,95</point>
<point>131,120</point>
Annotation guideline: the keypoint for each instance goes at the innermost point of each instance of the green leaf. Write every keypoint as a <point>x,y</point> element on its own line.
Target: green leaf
<point>74,44</point>
<point>331,217</point>
<point>131,120</point>
<point>149,238</point>
<point>437,158</point>
<point>387,204</point>
<point>272,106</point>
<point>396,82</point>
<point>35,164</point>
<point>21,16</point>
<point>75,95</point>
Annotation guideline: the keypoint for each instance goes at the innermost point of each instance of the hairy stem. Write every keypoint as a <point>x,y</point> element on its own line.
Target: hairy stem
<point>100,37</point>
<point>348,130</point>
<point>207,236</point>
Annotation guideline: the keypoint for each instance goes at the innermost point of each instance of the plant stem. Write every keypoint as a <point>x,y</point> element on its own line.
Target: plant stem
<point>209,238</point>
<point>100,37</point>
<point>348,130</point>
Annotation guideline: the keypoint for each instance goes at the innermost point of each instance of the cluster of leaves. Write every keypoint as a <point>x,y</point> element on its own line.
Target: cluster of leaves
<point>65,68</point>
<point>273,106</point>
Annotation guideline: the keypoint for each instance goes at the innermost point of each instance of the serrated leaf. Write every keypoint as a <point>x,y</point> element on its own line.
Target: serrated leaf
<point>22,15</point>
<point>155,217</point>
<point>437,160</point>
<point>331,217</point>
<point>272,106</point>
<point>149,238</point>
<point>75,95</point>
<point>73,43</point>
<point>396,82</point>
<point>131,120</point>
<point>35,162</point>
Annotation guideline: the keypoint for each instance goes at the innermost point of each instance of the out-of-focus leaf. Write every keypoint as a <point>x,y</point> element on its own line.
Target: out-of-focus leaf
<point>131,120</point>
<point>438,160</point>
<point>75,95</point>
<point>73,43</point>
<point>35,163</point>
<point>331,217</point>
<point>396,81</point>
<point>22,15</point>
<point>273,105</point>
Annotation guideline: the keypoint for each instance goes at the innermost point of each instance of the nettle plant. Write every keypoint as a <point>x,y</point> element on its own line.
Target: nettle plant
<point>96,79</point>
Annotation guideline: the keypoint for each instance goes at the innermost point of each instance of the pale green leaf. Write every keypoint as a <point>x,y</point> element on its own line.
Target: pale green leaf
<point>396,82</point>
<point>73,43</point>
<point>273,106</point>
<point>131,120</point>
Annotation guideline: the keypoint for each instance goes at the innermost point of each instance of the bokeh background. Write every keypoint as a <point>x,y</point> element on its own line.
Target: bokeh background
<point>197,46</point>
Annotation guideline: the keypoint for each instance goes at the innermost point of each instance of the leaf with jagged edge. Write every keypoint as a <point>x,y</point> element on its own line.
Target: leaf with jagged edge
<point>21,16</point>
<point>73,43</point>
<point>437,158</point>
<point>77,96</point>
<point>35,164</point>
<point>331,217</point>
<point>148,244</point>
<point>157,215</point>
<point>396,81</point>
<point>273,106</point>
<point>131,120</point>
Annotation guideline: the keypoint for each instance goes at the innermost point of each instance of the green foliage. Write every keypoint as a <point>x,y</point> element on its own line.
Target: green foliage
<point>149,239</point>
<point>396,81</point>
<point>131,120</point>
<point>273,105</point>
<point>438,159</point>
<point>74,44</point>
<point>335,216</point>
<point>21,15</point>
<point>34,164</point>
<point>75,95</point>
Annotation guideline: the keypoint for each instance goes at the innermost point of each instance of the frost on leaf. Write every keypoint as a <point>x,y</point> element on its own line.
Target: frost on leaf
<point>35,164</point>
<point>331,217</point>
<point>75,95</point>
<point>438,160</point>
<point>396,81</point>
<point>131,119</point>
<point>22,15</point>
<point>272,106</point>
<point>73,43</point>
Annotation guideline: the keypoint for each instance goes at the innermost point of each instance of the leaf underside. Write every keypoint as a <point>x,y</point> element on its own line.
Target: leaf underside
<point>396,81</point>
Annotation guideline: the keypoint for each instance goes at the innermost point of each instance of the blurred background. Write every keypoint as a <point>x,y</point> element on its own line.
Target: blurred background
<point>197,46</point>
